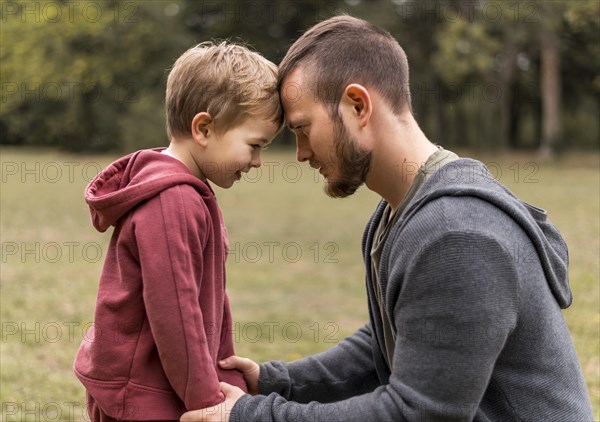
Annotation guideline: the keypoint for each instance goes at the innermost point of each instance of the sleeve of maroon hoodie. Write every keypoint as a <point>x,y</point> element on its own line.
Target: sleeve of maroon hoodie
<point>167,228</point>
<point>234,376</point>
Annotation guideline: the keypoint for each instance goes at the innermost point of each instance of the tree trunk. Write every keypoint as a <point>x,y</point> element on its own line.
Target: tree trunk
<point>507,75</point>
<point>551,95</point>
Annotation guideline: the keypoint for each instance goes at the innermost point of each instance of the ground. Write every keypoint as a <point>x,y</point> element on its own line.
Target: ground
<point>295,276</point>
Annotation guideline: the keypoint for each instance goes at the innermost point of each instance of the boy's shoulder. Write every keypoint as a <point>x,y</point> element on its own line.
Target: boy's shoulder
<point>176,211</point>
<point>157,177</point>
<point>179,200</point>
<point>148,183</point>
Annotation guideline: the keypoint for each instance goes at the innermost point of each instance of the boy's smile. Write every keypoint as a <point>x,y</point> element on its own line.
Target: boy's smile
<point>227,155</point>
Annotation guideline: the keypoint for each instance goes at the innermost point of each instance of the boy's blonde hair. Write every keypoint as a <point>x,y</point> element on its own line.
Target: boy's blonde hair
<point>228,81</point>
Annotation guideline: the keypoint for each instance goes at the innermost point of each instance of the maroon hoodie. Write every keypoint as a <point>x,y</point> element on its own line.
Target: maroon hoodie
<point>162,318</point>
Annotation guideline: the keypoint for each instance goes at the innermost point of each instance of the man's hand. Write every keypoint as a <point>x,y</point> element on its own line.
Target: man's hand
<point>249,368</point>
<point>218,413</point>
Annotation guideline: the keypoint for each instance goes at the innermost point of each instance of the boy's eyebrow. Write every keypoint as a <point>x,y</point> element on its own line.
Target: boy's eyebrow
<point>262,140</point>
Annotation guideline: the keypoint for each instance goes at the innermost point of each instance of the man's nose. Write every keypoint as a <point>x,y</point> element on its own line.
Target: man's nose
<point>303,152</point>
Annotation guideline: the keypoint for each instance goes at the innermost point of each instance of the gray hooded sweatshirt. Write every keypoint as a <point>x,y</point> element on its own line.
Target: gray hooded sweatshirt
<point>473,281</point>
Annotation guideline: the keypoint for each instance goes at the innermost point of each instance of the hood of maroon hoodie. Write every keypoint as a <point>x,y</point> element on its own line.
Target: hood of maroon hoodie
<point>133,179</point>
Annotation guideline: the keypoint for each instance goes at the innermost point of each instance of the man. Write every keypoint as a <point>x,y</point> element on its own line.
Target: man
<point>465,282</point>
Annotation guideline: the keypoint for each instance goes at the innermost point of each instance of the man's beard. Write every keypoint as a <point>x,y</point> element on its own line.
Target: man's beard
<point>351,163</point>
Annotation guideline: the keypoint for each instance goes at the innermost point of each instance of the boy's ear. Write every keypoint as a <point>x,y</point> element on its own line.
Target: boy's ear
<point>202,128</point>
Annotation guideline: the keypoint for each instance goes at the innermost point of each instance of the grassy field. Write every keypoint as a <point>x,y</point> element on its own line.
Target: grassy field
<point>295,274</point>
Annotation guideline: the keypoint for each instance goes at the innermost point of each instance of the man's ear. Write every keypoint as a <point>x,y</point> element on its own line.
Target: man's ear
<point>357,101</point>
<point>202,128</point>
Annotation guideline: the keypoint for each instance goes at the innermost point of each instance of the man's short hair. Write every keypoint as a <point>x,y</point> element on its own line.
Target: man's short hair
<point>227,81</point>
<point>343,50</point>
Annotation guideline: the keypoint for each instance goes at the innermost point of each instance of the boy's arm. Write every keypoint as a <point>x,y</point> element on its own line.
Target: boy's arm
<point>230,376</point>
<point>165,228</point>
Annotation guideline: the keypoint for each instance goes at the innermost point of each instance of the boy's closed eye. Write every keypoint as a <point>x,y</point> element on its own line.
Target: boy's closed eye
<point>264,144</point>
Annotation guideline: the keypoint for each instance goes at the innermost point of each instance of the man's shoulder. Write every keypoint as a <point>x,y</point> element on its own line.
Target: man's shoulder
<point>461,194</point>
<point>467,215</point>
<point>455,209</point>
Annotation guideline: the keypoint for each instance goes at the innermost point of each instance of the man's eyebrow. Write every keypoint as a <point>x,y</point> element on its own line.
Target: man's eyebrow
<point>293,125</point>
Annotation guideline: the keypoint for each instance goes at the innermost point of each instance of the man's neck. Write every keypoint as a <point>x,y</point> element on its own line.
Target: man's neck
<point>396,159</point>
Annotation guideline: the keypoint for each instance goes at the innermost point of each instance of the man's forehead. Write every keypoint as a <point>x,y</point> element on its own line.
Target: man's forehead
<point>294,109</point>
<point>298,97</point>
<point>296,76</point>
<point>295,87</point>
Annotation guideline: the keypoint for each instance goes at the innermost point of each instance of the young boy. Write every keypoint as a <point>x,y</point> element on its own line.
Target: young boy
<point>162,318</point>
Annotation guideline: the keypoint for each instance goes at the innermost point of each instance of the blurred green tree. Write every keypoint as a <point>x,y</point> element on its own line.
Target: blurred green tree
<point>79,75</point>
<point>90,75</point>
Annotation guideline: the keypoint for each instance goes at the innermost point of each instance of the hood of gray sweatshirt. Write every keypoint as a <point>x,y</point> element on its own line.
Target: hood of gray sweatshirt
<point>471,178</point>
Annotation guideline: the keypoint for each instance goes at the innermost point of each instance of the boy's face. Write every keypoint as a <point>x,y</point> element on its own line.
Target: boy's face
<point>236,151</point>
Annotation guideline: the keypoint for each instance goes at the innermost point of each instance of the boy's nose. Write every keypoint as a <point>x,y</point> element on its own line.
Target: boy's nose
<point>256,163</point>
